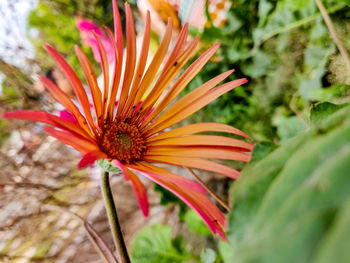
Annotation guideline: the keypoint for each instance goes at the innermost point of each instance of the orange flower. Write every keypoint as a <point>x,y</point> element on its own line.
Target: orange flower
<point>133,134</point>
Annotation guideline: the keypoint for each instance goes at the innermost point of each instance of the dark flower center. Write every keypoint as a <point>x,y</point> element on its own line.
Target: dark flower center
<point>122,141</point>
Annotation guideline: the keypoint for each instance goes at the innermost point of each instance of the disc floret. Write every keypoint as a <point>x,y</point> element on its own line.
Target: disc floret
<point>122,141</point>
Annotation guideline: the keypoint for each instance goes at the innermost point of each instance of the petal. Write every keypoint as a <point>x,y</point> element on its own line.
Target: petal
<point>138,187</point>
<point>64,99</point>
<point>185,78</point>
<point>116,76</point>
<point>182,182</point>
<point>191,105</point>
<point>162,83</point>
<point>196,128</point>
<point>48,118</point>
<point>141,64</point>
<point>155,64</point>
<point>210,214</point>
<point>118,31</point>
<point>76,84</point>
<point>130,58</point>
<point>204,140</point>
<point>91,79</point>
<point>188,100</point>
<point>225,153</point>
<point>195,163</point>
<point>177,50</point>
<point>90,158</point>
<point>105,71</point>
<point>78,143</point>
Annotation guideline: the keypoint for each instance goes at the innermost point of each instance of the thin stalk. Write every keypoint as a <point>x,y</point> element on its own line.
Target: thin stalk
<point>113,218</point>
<point>216,197</point>
<point>334,35</point>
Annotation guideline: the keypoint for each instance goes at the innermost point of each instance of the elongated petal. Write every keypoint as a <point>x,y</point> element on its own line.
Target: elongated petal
<point>78,143</point>
<point>177,49</point>
<point>155,64</point>
<point>182,182</point>
<point>197,201</point>
<point>91,79</point>
<point>163,83</point>
<point>116,77</point>
<point>141,64</point>
<point>90,158</point>
<point>182,82</point>
<point>76,84</point>
<point>118,31</point>
<point>130,58</point>
<point>191,105</point>
<point>48,118</point>
<point>195,163</point>
<point>174,64</point>
<point>195,94</point>
<point>196,128</point>
<point>212,152</point>
<point>137,185</point>
<point>64,99</point>
<point>213,140</point>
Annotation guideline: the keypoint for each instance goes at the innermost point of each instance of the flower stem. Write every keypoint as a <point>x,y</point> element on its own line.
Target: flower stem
<point>113,218</point>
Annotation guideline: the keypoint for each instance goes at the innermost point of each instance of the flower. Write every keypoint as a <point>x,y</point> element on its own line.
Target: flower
<point>134,133</point>
<point>87,30</point>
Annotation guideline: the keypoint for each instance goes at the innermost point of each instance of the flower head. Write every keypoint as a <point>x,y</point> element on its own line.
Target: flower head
<point>133,133</point>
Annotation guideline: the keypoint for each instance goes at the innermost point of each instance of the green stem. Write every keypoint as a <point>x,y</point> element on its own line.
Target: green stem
<point>113,218</point>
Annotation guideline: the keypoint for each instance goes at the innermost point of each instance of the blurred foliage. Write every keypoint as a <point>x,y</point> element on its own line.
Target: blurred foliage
<point>293,206</point>
<point>284,49</point>
<point>156,245</point>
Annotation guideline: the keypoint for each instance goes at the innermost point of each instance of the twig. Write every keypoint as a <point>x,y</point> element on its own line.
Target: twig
<point>297,112</point>
<point>217,198</point>
<point>334,35</point>
<point>94,237</point>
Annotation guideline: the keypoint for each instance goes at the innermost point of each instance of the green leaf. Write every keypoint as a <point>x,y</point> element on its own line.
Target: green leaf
<point>293,205</point>
<point>261,150</point>
<point>288,127</point>
<point>195,223</point>
<point>335,245</point>
<point>322,110</point>
<point>154,245</point>
<point>208,256</point>
<point>261,63</point>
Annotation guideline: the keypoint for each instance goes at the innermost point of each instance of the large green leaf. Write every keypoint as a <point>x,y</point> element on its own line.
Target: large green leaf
<point>293,205</point>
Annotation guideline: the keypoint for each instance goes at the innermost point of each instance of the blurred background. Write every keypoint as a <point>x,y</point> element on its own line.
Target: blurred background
<point>292,203</point>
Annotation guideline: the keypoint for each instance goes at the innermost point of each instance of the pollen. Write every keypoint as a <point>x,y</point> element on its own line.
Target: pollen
<point>122,141</point>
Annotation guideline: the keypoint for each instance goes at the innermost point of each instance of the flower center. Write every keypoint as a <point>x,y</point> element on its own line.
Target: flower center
<point>122,141</point>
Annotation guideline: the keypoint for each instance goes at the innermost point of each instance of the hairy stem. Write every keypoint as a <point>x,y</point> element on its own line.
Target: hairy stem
<point>334,35</point>
<point>113,218</point>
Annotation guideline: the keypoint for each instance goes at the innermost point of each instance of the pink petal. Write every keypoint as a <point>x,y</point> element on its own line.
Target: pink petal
<point>90,158</point>
<point>137,185</point>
